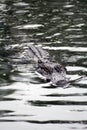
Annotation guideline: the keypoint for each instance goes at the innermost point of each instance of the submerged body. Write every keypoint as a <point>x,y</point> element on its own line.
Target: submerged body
<point>52,71</point>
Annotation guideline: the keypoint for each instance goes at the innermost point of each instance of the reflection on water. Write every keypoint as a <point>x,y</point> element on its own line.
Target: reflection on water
<point>60,27</point>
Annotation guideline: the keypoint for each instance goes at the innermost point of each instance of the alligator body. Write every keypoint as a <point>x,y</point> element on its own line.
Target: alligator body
<point>52,71</point>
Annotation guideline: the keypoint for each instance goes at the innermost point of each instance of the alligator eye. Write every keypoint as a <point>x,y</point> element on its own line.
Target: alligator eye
<point>47,69</point>
<point>58,68</point>
<point>39,61</point>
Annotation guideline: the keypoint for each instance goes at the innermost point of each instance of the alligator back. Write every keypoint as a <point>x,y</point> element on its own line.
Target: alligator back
<point>36,53</point>
<point>52,71</point>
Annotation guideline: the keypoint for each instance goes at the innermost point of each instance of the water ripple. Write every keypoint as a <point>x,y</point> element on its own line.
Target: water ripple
<point>48,122</point>
<point>71,49</point>
<point>32,26</point>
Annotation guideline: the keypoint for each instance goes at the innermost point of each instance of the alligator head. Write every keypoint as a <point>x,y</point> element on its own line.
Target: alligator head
<point>53,72</point>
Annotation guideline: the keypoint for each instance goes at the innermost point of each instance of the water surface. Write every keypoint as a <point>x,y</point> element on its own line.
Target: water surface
<point>26,101</point>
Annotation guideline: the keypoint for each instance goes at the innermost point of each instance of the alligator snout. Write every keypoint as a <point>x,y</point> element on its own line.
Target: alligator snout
<point>60,83</point>
<point>53,72</point>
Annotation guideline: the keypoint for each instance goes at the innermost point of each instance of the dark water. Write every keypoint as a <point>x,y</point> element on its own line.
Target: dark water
<point>26,102</point>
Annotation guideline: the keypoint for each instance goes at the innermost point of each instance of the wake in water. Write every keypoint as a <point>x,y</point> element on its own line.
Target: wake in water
<point>46,67</point>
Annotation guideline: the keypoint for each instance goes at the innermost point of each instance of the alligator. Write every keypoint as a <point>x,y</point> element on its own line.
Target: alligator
<point>52,71</point>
